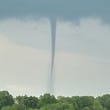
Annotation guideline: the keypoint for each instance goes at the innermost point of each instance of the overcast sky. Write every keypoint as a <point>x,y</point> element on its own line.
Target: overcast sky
<point>82,63</point>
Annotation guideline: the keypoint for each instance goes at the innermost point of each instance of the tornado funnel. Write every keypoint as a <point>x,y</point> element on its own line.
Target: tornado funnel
<point>53,41</point>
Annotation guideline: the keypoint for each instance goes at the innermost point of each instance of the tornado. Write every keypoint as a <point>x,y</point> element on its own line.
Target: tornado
<point>53,42</point>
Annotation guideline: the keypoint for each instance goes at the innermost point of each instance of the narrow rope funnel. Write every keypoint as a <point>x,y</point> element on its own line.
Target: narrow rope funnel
<point>53,40</point>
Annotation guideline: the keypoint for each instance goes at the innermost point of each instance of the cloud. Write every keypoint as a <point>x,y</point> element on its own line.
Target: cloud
<point>27,32</point>
<point>90,36</point>
<point>67,10</point>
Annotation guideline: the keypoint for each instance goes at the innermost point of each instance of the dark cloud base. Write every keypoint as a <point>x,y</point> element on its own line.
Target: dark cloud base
<point>63,9</point>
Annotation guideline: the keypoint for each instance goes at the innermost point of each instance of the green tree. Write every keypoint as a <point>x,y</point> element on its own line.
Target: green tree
<point>6,108</point>
<point>58,106</point>
<point>47,99</point>
<point>105,101</point>
<point>29,102</point>
<point>68,100</point>
<point>18,107</point>
<point>86,108</point>
<point>86,101</point>
<point>97,105</point>
<point>5,99</point>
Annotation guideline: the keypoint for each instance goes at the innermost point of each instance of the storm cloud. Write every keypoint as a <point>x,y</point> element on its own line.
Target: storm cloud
<point>60,9</point>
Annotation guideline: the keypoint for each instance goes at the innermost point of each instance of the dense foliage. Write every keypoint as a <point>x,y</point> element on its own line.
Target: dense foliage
<point>50,102</point>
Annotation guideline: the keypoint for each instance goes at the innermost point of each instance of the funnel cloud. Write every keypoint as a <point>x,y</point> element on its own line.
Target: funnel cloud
<point>53,41</point>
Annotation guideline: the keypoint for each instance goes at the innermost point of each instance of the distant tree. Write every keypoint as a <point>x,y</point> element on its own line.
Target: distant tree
<point>75,101</point>
<point>63,99</point>
<point>50,102</point>
<point>85,101</point>
<point>86,108</point>
<point>6,108</point>
<point>97,105</point>
<point>105,101</point>
<point>58,106</point>
<point>5,99</point>
<point>68,100</point>
<point>18,107</point>
<point>32,109</point>
<point>29,102</point>
<point>47,99</point>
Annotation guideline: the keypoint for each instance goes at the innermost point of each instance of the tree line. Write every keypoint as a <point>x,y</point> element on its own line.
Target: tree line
<point>50,102</point>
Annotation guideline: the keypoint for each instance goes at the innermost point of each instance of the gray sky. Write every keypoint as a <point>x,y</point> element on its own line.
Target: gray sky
<point>82,63</point>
